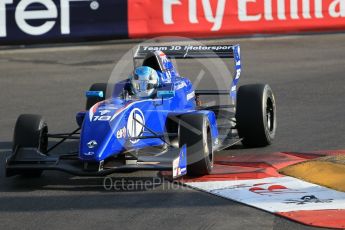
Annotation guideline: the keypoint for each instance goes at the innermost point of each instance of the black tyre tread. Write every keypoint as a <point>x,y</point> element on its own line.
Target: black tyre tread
<point>28,134</point>
<point>197,159</point>
<point>250,115</point>
<point>27,131</point>
<point>96,87</point>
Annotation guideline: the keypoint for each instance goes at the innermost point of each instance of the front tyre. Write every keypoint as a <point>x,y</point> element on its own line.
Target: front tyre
<point>31,132</point>
<point>256,115</point>
<point>195,132</point>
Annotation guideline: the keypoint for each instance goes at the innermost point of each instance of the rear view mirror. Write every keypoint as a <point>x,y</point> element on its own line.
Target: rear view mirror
<point>165,93</point>
<point>94,94</point>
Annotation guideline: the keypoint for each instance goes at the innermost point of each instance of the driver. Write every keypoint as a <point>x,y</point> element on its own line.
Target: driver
<point>144,82</point>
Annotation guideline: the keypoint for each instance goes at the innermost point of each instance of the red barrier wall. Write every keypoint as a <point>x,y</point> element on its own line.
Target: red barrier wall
<point>198,18</point>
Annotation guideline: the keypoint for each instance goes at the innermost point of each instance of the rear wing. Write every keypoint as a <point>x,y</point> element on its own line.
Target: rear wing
<point>199,51</point>
<point>190,51</point>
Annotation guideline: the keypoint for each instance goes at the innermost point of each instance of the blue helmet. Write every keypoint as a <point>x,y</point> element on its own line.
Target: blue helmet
<point>144,81</point>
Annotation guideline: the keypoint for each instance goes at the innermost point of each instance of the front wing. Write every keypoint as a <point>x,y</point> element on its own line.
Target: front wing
<point>26,159</point>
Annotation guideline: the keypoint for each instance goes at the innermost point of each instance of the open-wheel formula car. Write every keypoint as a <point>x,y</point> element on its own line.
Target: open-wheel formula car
<point>151,121</point>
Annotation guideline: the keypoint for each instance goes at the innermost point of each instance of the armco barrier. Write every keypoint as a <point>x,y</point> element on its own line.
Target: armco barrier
<point>193,18</point>
<point>35,21</point>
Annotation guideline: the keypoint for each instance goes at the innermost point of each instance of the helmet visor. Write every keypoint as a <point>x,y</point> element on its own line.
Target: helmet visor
<point>143,85</point>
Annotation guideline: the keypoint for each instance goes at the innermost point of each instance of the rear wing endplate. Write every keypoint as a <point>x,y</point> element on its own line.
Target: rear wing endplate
<point>199,51</point>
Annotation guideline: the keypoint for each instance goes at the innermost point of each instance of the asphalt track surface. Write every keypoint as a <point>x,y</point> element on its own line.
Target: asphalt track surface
<point>305,72</point>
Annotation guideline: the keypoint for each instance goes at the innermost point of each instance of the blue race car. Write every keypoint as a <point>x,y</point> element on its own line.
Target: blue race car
<point>152,121</point>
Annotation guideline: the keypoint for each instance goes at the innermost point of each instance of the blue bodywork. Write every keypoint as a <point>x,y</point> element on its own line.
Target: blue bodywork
<point>108,122</point>
<point>113,123</point>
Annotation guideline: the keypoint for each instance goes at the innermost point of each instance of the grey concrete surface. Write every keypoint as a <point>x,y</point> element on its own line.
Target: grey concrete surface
<point>305,72</point>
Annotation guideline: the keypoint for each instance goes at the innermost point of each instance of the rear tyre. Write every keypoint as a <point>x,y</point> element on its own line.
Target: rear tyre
<point>31,132</point>
<point>96,87</point>
<point>195,132</point>
<point>256,115</point>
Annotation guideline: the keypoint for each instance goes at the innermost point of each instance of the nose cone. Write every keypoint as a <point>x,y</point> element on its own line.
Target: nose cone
<point>102,132</point>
